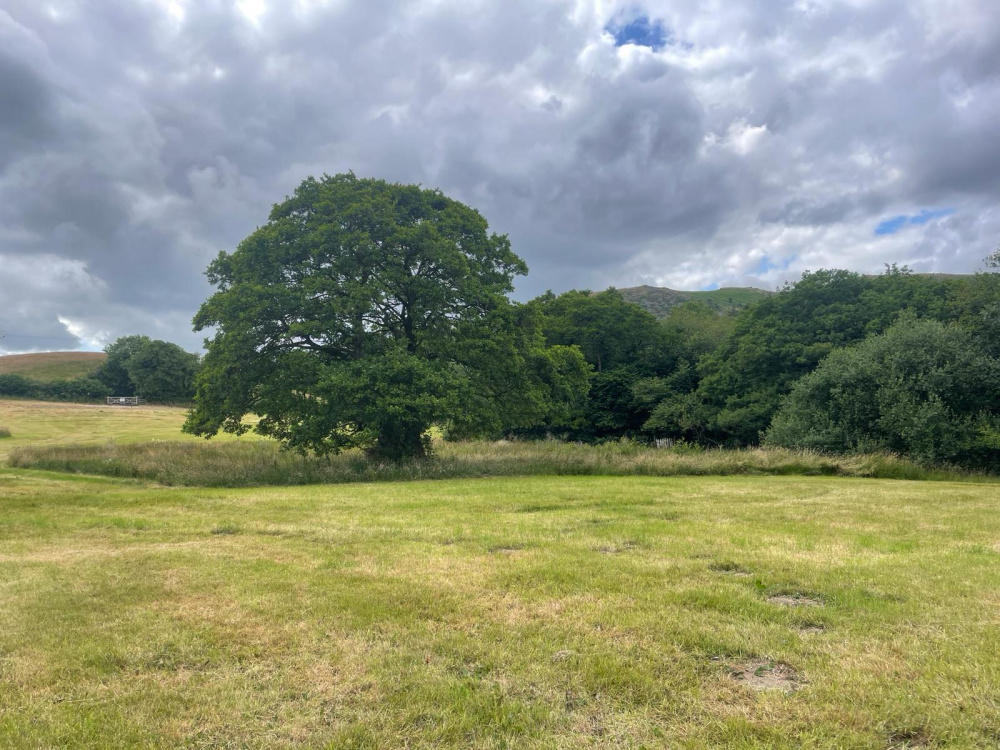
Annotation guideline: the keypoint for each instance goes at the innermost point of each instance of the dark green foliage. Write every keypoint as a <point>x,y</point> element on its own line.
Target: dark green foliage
<point>719,379</point>
<point>362,313</point>
<point>977,306</point>
<point>783,337</point>
<point>152,369</point>
<point>78,389</point>
<point>609,331</point>
<point>623,344</point>
<point>696,330</point>
<point>922,389</point>
<point>18,386</point>
<point>114,372</point>
<point>613,410</point>
<point>162,372</point>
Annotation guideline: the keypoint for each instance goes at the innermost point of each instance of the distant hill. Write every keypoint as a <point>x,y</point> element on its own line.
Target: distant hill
<point>48,366</point>
<point>658,300</point>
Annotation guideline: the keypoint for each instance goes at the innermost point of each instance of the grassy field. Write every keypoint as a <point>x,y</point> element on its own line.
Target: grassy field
<point>510,612</point>
<point>51,365</point>
<point>41,423</point>
<point>535,612</point>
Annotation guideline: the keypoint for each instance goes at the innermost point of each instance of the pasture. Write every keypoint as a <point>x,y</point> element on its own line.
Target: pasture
<point>535,612</point>
<point>40,423</point>
<point>46,366</point>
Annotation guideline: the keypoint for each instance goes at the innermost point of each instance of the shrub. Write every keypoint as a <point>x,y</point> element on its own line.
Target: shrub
<point>921,389</point>
<point>77,389</point>
<point>4,432</point>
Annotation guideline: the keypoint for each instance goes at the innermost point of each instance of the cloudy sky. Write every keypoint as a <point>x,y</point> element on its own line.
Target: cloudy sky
<point>683,143</point>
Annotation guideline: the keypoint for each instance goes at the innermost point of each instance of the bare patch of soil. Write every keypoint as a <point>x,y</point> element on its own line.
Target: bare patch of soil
<point>794,600</point>
<point>908,738</point>
<point>762,674</point>
<point>506,550</point>
<point>730,569</point>
<point>812,628</point>
<point>617,549</point>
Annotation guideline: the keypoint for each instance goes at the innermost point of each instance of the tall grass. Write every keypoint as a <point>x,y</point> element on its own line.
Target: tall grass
<point>246,464</point>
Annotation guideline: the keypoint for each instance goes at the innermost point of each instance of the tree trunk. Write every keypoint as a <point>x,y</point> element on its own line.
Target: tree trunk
<point>399,442</point>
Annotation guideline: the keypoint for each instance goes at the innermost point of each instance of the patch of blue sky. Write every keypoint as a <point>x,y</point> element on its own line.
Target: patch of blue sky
<point>893,225</point>
<point>641,31</point>
<point>766,264</point>
<point>926,215</point>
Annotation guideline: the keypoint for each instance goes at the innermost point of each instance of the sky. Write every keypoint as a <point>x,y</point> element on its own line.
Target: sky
<point>682,143</point>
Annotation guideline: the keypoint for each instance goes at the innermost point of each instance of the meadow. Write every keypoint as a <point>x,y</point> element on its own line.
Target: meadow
<point>47,366</point>
<point>742,611</point>
<point>46,423</point>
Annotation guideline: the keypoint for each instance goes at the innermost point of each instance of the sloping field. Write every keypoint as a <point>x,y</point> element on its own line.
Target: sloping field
<point>531,613</point>
<point>730,297</point>
<point>51,365</point>
<point>48,423</point>
<point>659,300</point>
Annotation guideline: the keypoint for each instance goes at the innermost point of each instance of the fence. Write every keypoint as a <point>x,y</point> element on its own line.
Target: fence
<point>125,400</point>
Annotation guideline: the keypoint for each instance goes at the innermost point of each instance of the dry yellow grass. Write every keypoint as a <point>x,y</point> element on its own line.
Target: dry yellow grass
<point>543,612</point>
<point>51,365</point>
<point>50,423</point>
<point>511,612</point>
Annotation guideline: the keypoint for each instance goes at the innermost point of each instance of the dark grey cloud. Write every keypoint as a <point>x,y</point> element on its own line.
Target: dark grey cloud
<point>140,137</point>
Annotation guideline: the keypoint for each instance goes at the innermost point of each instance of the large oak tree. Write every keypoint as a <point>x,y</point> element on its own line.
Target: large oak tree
<point>362,313</point>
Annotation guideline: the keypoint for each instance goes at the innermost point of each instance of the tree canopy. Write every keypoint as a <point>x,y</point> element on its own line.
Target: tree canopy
<point>922,389</point>
<point>622,343</point>
<point>785,336</point>
<point>162,371</point>
<point>114,372</point>
<point>153,369</point>
<point>362,313</point>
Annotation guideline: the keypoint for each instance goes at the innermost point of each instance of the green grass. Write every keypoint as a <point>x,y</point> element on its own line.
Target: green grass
<point>632,611</point>
<point>40,423</point>
<point>253,463</point>
<point>146,443</point>
<point>542,612</point>
<point>48,366</point>
<point>728,298</point>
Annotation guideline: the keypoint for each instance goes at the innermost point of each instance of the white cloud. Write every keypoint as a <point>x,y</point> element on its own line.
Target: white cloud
<point>139,139</point>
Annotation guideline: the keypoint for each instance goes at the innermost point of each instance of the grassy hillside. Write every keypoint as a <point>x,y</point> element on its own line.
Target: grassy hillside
<point>545,612</point>
<point>730,297</point>
<point>659,300</point>
<point>51,365</point>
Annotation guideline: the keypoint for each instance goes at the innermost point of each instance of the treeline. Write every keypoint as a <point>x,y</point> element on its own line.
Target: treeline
<point>836,362</point>
<point>155,370</point>
<point>87,388</point>
<point>363,312</point>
